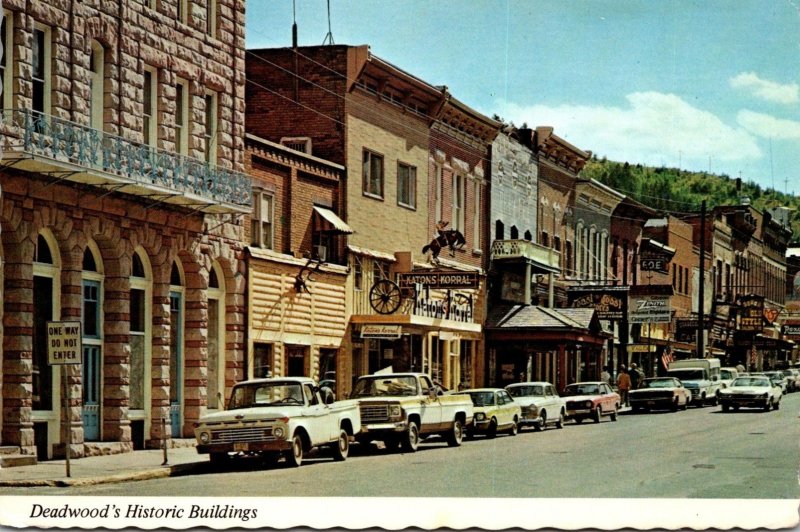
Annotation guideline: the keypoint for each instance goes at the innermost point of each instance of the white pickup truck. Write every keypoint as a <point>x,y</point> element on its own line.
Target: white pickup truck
<point>400,408</point>
<point>280,416</point>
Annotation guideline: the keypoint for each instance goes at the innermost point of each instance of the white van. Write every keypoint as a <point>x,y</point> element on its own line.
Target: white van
<point>701,376</point>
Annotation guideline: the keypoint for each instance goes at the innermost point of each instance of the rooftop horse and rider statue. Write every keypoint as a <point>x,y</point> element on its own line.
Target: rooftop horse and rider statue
<point>452,239</point>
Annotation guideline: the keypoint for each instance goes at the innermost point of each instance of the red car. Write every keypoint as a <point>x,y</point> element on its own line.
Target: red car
<point>591,400</point>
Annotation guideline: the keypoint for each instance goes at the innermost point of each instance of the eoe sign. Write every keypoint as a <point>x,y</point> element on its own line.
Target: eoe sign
<point>63,342</point>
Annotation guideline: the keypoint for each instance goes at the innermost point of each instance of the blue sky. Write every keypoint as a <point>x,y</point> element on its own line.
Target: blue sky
<point>704,85</point>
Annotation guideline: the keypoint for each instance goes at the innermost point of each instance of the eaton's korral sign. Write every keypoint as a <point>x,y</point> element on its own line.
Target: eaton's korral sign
<point>64,342</point>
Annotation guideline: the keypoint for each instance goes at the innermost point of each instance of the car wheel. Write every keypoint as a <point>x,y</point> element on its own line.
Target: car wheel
<point>613,415</point>
<point>341,447</point>
<point>777,405</point>
<point>596,414</point>
<point>725,407</point>
<point>543,423</point>
<point>514,427</point>
<point>456,434</point>
<point>294,457</point>
<point>560,422</point>
<point>674,405</point>
<point>768,405</point>
<point>411,441</point>
<point>491,432</point>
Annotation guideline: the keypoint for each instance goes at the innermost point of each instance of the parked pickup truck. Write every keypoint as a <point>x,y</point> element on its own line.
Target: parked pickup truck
<point>400,408</point>
<point>279,416</point>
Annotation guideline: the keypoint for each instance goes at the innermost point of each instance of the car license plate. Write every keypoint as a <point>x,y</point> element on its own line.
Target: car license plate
<point>240,446</point>
<point>651,402</point>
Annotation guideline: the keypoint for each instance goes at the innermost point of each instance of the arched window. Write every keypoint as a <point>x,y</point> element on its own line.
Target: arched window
<point>176,330</point>
<point>514,232</point>
<point>141,334</point>
<point>216,337</point>
<point>96,82</point>
<point>46,296</point>
<point>499,230</point>
<point>92,342</point>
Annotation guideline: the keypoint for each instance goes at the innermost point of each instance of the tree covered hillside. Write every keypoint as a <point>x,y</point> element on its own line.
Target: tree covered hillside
<point>678,191</point>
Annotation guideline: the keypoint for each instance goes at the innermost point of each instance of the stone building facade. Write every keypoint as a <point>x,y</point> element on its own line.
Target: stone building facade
<point>122,192</point>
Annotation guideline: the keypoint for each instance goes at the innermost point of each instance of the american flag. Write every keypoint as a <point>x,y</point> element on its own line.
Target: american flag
<point>667,358</point>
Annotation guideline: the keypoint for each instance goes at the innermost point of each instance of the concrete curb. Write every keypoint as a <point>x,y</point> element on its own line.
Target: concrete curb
<point>166,471</point>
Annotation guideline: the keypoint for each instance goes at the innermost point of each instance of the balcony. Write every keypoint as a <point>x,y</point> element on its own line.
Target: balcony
<point>543,258</point>
<point>35,142</point>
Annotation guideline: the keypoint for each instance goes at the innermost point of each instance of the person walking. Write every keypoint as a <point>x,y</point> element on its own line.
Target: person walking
<point>623,385</point>
<point>635,377</point>
<point>605,376</point>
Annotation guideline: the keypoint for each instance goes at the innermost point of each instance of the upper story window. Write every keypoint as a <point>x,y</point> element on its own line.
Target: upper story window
<point>183,11</point>
<point>210,133</point>
<point>459,201</point>
<point>40,74</point>
<point>372,169</point>
<point>406,185</point>
<point>438,192</point>
<point>261,228</point>
<point>6,62</point>
<point>149,117</point>
<point>181,117</point>
<point>211,17</point>
<point>380,270</point>
<point>96,79</point>
<point>476,215</point>
<point>358,273</point>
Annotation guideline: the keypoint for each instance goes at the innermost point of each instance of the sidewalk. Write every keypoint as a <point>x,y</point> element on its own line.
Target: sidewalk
<point>135,465</point>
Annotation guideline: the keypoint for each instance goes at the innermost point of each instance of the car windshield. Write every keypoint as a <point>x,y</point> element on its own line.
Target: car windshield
<point>658,383</point>
<point>582,389</point>
<point>688,374</point>
<point>379,386</point>
<point>751,381</point>
<point>525,391</point>
<point>266,394</point>
<point>726,374</point>
<point>482,398</point>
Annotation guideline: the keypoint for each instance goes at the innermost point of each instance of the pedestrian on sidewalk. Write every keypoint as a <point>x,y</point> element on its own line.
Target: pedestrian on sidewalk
<point>635,376</point>
<point>605,376</point>
<point>623,385</point>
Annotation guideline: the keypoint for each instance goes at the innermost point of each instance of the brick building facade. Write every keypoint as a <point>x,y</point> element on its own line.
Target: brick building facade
<point>121,179</point>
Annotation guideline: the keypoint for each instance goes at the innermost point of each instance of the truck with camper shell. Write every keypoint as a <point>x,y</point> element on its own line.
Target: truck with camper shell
<point>701,376</point>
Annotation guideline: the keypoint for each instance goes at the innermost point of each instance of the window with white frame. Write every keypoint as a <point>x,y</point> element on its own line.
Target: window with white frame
<point>6,62</point>
<point>261,228</point>
<point>40,74</point>
<point>406,185</point>
<point>182,117</point>
<point>149,109</point>
<point>210,133</point>
<point>476,215</point>
<point>358,273</point>
<point>459,200</point>
<point>438,192</point>
<point>372,167</point>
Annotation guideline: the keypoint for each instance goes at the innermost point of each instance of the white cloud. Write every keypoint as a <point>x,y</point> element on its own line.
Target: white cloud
<point>765,89</point>
<point>768,126</point>
<point>655,129</point>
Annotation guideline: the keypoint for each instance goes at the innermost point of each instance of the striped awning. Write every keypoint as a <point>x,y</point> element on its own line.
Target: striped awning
<point>331,223</point>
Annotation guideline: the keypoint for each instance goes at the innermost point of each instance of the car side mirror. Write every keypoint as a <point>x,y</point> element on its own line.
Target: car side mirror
<point>432,393</point>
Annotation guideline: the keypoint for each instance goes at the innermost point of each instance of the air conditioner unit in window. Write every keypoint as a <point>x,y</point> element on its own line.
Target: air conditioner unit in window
<point>321,253</point>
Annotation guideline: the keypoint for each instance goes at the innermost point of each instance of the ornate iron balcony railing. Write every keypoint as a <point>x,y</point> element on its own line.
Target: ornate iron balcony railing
<point>124,165</point>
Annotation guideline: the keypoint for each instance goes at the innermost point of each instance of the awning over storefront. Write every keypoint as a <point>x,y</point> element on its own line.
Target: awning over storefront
<point>328,222</point>
<point>535,322</point>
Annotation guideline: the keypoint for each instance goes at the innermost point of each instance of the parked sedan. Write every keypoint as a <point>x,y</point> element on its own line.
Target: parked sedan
<point>591,400</point>
<point>540,403</point>
<point>495,411</point>
<point>755,391</point>
<point>777,377</point>
<point>660,392</point>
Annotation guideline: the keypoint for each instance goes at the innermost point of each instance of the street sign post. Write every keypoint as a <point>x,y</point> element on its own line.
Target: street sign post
<point>64,348</point>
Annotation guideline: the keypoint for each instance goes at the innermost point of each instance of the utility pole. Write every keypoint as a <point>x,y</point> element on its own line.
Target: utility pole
<point>701,288</point>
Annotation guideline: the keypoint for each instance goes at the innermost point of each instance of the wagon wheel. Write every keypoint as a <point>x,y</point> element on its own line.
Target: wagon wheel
<point>384,296</point>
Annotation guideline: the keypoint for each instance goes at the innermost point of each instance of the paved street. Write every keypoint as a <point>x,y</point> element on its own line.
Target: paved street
<point>699,453</point>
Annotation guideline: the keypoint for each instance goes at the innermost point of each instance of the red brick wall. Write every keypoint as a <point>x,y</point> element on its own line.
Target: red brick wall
<point>318,111</point>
